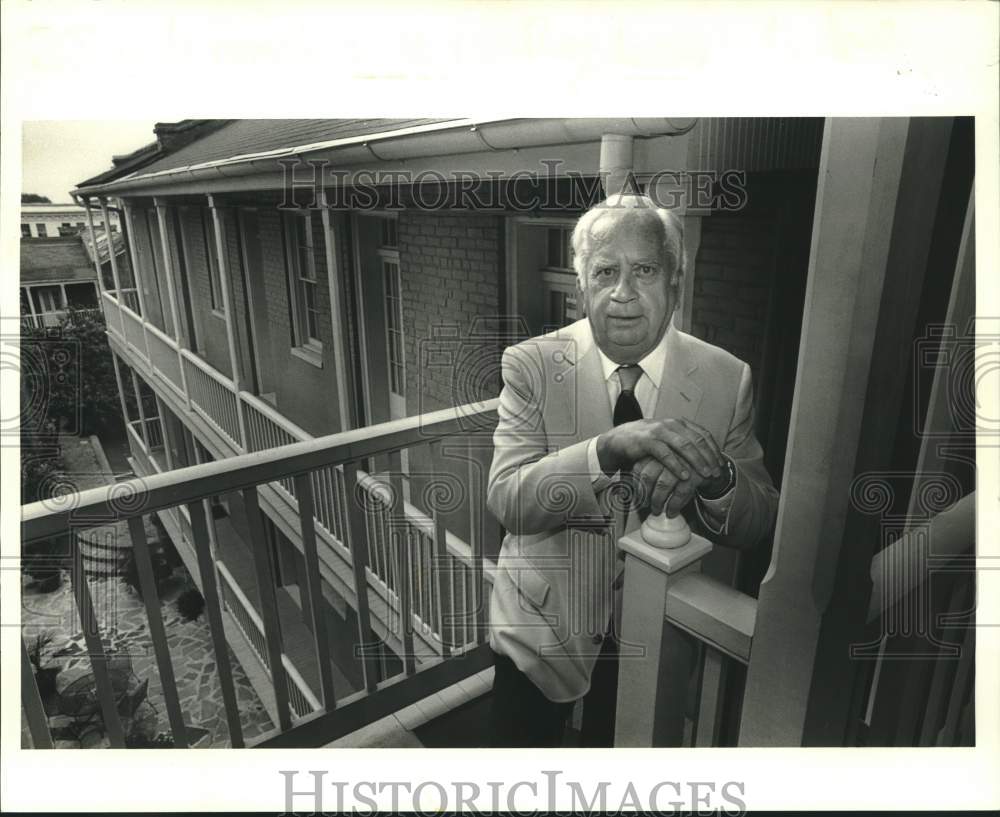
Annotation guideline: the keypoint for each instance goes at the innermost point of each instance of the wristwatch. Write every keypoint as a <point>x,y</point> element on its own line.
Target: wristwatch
<point>729,485</point>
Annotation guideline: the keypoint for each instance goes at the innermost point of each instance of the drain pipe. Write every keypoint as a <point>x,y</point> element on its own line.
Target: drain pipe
<point>616,162</point>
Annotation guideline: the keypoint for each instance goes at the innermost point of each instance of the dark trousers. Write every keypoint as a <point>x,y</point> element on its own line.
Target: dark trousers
<point>522,716</point>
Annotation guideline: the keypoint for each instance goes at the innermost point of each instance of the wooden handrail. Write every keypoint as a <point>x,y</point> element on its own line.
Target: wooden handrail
<point>950,534</point>
<point>714,613</point>
<point>209,370</point>
<point>46,518</point>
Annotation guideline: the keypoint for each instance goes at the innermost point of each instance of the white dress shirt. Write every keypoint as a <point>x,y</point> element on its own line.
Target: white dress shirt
<point>714,513</point>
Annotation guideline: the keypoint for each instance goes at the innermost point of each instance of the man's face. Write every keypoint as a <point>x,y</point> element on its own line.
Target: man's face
<point>627,284</point>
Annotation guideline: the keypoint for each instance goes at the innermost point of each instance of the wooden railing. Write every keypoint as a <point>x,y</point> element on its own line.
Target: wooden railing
<point>213,397</point>
<point>164,357</point>
<point>153,433</point>
<point>422,673</point>
<point>300,696</point>
<point>135,333</point>
<point>707,625</point>
<point>443,613</point>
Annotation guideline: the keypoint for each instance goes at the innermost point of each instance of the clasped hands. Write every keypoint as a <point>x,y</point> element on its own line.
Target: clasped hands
<point>672,459</point>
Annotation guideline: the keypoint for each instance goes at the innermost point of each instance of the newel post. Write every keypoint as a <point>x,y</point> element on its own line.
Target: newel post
<point>656,658</point>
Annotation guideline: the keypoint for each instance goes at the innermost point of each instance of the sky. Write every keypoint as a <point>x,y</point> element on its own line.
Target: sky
<point>57,155</point>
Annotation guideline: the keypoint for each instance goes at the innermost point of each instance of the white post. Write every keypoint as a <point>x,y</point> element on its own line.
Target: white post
<point>224,285</point>
<point>859,178</point>
<point>336,308</point>
<point>170,269</point>
<point>655,658</point>
<point>137,273</point>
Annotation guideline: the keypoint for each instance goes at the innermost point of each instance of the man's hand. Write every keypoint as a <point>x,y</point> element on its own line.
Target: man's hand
<point>672,458</point>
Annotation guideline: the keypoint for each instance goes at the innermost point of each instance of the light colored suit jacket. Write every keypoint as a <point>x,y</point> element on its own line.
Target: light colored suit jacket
<point>552,594</point>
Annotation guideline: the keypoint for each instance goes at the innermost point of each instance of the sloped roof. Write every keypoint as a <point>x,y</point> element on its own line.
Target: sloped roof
<point>55,259</point>
<point>101,239</point>
<point>243,136</point>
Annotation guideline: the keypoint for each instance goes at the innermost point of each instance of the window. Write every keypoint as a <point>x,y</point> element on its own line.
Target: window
<point>560,252</point>
<point>41,231</point>
<point>394,326</point>
<point>389,233</point>
<point>49,304</point>
<point>82,296</point>
<point>66,229</point>
<point>212,263</point>
<point>303,284</point>
<point>25,231</point>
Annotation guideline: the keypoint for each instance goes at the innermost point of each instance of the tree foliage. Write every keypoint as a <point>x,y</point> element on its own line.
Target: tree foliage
<point>34,198</point>
<point>74,379</point>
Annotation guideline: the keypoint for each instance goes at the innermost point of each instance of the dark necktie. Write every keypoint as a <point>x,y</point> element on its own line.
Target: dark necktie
<point>627,407</point>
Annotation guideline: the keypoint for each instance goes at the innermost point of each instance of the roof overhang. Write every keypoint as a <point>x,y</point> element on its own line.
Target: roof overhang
<point>448,138</point>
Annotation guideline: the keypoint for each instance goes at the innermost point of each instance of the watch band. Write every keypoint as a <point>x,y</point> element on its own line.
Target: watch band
<point>730,483</point>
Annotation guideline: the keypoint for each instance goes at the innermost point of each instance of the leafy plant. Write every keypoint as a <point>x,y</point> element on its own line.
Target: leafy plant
<point>129,569</point>
<point>77,387</point>
<point>38,647</point>
<point>45,677</point>
<point>190,604</point>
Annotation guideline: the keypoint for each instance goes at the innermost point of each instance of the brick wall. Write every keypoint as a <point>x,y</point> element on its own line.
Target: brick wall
<point>734,270</point>
<point>450,269</point>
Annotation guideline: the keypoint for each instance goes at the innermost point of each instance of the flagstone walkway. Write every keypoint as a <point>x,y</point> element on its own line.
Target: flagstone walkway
<point>121,616</point>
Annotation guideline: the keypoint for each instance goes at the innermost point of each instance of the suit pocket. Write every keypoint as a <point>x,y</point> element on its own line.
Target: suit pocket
<point>529,582</point>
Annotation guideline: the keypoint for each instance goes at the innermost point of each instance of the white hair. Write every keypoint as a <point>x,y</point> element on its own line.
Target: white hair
<point>673,231</point>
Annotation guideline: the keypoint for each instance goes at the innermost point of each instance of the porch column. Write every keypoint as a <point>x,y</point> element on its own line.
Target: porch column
<point>859,179</point>
<point>137,272</point>
<point>121,391</point>
<point>227,304</point>
<point>111,254</point>
<point>170,268</point>
<point>338,313</point>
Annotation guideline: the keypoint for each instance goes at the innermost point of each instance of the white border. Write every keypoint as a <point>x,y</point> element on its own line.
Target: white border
<point>159,60</point>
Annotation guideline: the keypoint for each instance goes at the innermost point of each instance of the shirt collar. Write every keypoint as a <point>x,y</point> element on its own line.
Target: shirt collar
<point>652,364</point>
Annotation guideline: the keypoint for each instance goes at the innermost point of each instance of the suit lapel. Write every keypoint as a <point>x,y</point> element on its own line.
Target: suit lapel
<point>592,395</point>
<point>680,394</point>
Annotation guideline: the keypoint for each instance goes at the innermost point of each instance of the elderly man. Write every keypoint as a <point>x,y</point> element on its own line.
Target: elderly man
<point>618,399</point>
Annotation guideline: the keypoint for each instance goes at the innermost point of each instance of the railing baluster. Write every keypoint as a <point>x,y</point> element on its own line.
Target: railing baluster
<point>213,610</point>
<point>157,633</point>
<point>268,604</point>
<point>476,505</point>
<point>355,518</point>
<point>713,675</point>
<point>452,581</point>
<point>303,486</point>
<point>31,700</point>
<point>95,648</point>
<point>442,573</point>
<point>399,539</point>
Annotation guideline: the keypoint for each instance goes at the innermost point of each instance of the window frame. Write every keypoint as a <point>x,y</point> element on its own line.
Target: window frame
<point>304,345</point>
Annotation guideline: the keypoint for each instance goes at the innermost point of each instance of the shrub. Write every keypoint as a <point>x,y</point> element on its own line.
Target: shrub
<point>190,604</point>
<point>129,568</point>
